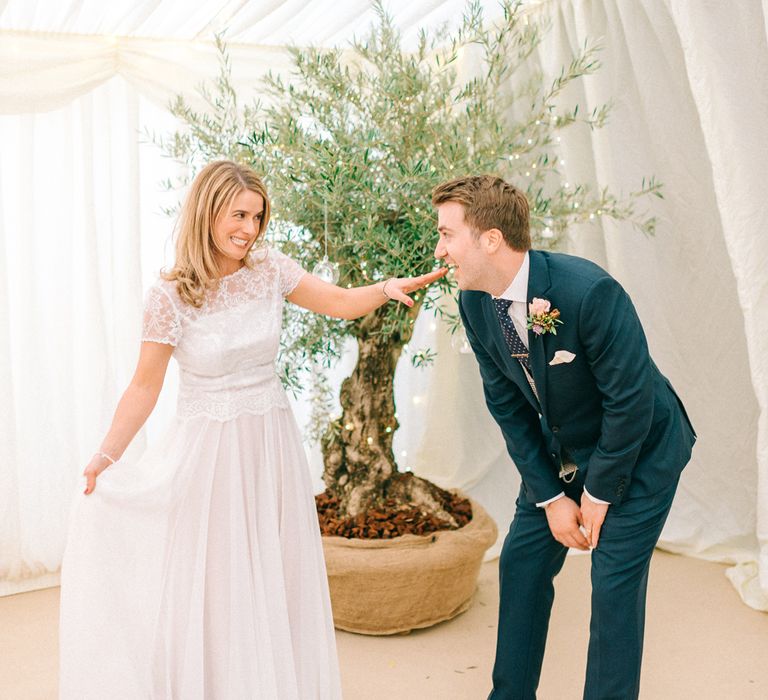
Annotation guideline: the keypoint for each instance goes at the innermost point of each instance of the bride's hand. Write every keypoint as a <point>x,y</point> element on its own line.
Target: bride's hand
<point>97,465</point>
<point>398,288</point>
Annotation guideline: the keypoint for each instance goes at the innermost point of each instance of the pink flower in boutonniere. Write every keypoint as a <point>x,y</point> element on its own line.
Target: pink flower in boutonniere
<point>542,318</point>
<point>539,306</point>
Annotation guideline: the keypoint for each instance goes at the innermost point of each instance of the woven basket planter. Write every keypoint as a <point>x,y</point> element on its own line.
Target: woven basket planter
<point>409,582</point>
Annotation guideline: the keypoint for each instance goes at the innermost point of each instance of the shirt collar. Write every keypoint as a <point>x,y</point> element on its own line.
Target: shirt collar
<point>518,289</point>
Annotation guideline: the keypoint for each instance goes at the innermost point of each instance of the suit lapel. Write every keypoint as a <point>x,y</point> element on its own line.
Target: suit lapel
<point>539,283</point>
<point>492,322</point>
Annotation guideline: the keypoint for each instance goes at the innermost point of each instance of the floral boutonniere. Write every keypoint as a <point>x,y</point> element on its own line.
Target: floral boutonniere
<point>542,318</point>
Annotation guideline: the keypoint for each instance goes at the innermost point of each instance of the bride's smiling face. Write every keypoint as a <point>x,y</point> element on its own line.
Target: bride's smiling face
<point>237,230</point>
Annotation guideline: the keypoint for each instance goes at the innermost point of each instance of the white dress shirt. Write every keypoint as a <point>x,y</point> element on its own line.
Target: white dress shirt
<point>517,293</point>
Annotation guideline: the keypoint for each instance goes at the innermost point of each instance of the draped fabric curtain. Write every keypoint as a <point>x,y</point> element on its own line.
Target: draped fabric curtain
<point>42,72</point>
<point>71,288</point>
<point>81,236</point>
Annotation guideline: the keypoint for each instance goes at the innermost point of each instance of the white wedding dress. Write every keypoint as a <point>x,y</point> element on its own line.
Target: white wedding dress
<point>197,572</point>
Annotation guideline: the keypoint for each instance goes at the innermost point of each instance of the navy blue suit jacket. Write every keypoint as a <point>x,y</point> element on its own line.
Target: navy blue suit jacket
<point>611,409</point>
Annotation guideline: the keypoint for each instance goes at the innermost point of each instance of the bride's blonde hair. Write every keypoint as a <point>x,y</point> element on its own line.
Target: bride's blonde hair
<point>210,197</point>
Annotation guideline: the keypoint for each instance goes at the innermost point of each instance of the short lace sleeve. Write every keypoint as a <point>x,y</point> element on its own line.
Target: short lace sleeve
<point>162,321</point>
<point>290,272</point>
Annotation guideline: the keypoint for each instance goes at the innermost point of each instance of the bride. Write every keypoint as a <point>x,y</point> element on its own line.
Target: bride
<point>197,571</point>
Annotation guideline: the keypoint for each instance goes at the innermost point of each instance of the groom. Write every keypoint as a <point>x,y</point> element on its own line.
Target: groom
<point>596,431</point>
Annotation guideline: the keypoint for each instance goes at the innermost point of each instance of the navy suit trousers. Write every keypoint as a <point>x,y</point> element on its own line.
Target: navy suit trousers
<point>529,561</point>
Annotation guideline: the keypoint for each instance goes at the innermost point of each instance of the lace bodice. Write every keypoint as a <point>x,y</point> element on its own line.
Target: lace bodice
<point>226,349</point>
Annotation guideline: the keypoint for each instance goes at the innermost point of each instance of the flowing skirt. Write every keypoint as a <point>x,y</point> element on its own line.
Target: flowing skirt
<point>198,573</point>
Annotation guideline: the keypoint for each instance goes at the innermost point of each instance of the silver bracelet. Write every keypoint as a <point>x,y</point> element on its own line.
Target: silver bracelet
<point>106,456</point>
<point>384,288</point>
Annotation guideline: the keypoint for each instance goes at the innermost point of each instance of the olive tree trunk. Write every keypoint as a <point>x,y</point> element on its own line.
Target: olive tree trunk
<point>360,467</point>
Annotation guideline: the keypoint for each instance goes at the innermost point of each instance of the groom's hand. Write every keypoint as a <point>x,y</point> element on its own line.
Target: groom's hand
<point>564,518</point>
<point>593,516</point>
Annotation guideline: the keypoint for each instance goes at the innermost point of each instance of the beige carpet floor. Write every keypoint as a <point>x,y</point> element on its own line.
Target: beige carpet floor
<point>702,643</point>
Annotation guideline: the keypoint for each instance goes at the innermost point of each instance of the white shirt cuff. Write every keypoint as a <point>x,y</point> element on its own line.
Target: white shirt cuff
<point>595,500</point>
<point>554,498</point>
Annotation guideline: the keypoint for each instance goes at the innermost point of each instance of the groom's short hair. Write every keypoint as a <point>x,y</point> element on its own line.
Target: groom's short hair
<point>489,202</point>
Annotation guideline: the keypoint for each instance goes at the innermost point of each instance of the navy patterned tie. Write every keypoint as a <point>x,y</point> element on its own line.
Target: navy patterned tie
<point>515,345</point>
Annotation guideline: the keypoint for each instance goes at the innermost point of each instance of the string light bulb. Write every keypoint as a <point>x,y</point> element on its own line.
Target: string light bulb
<point>325,269</point>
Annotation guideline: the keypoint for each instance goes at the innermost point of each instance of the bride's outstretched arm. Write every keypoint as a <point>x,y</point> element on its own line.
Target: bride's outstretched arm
<point>133,409</point>
<point>323,298</point>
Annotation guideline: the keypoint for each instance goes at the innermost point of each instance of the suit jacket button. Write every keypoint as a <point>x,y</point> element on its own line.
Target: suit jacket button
<point>555,428</point>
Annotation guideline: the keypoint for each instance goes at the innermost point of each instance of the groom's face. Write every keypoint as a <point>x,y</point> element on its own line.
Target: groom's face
<point>460,248</point>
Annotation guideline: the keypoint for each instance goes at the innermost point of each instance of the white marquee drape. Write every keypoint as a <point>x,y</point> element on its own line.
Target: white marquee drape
<point>81,236</point>
<point>63,69</point>
<point>733,116</point>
